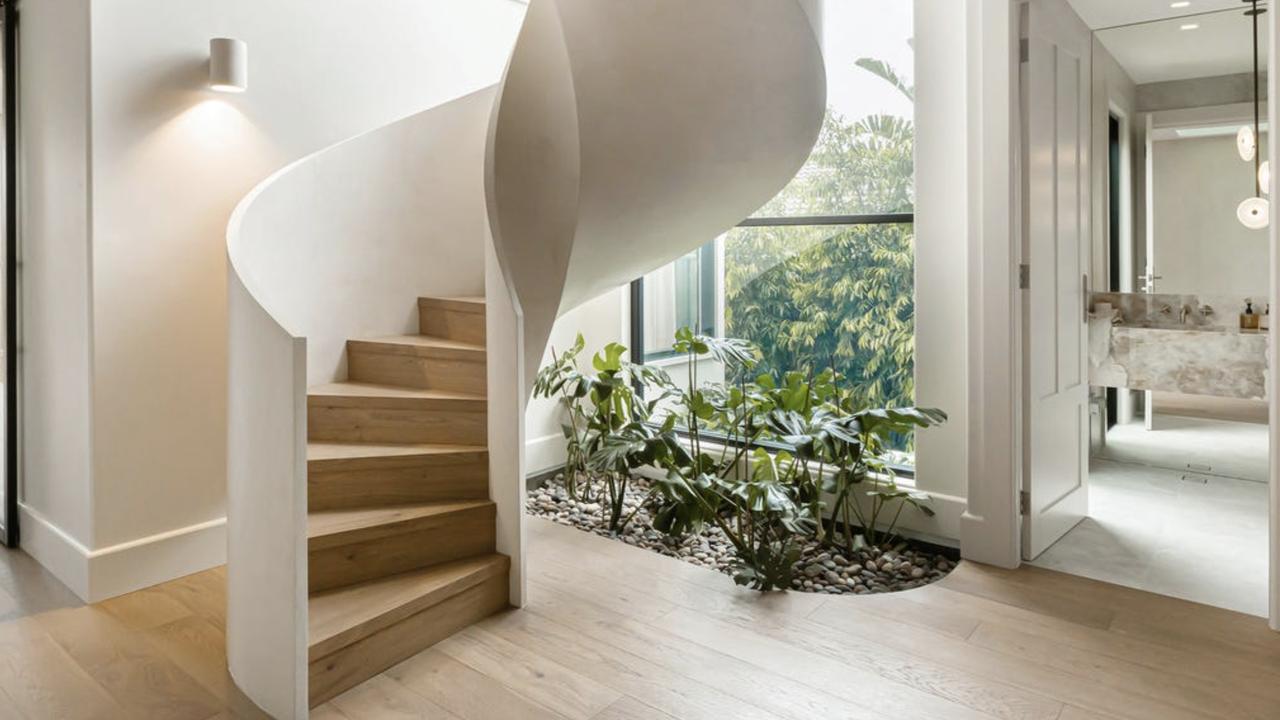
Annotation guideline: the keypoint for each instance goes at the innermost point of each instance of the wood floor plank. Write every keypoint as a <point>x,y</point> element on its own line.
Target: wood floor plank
<point>328,711</point>
<point>204,593</point>
<point>8,604</point>
<point>382,698</point>
<point>464,691</point>
<point>628,708</point>
<point>40,681</point>
<point>1035,677</point>
<point>147,608</point>
<point>611,596</point>
<point>810,651</point>
<point>613,632</point>
<point>1161,653</point>
<point>781,696</point>
<point>913,607</point>
<point>1138,613</point>
<point>985,582</point>
<point>530,675</point>
<point>1200,697</point>
<point>622,566</point>
<point>1072,712</point>
<point>774,615</point>
<point>199,648</point>
<point>651,683</point>
<point>137,674</point>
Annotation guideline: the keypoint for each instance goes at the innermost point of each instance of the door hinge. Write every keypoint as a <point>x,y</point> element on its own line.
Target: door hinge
<point>1024,502</point>
<point>1024,50</point>
<point>1024,276</point>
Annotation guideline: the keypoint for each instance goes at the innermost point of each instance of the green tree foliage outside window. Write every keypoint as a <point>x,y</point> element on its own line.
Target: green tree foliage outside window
<point>842,296</point>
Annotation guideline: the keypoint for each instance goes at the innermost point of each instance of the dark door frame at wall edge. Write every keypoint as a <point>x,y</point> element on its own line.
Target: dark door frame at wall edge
<point>9,8</point>
<point>1113,239</point>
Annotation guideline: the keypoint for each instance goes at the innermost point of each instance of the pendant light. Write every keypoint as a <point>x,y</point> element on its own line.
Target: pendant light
<point>1246,143</point>
<point>1255,212</point>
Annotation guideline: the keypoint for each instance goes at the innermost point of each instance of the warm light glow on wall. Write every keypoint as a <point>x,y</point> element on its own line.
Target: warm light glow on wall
<point>228,65</point>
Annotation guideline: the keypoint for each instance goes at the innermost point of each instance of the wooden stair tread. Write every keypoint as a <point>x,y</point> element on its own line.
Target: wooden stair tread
<point>352,393</point>
<point>326,523</point>
<point>418,344</point>
<point>457,303</point>
<point>326,452</point>
<point>339,617</point>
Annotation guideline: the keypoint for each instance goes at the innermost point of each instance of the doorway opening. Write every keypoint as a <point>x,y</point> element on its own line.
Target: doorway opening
<point>1176,328</point>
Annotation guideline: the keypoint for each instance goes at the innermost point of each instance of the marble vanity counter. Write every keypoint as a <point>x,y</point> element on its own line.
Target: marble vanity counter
<point>1225,362</point>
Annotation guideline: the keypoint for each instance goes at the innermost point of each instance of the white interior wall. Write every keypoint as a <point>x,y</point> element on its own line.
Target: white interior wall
<point>1200,247</point>
<point>601,321</point>
<point>941,256</point>
<point>168,161</point>
<point>54,161</point>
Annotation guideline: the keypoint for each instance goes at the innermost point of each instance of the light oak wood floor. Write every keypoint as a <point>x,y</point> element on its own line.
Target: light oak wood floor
<point>616,633</point>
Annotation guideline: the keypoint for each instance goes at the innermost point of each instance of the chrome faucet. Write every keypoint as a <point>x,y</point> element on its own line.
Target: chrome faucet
<point>1206,310</point>
<point>1183,313</point>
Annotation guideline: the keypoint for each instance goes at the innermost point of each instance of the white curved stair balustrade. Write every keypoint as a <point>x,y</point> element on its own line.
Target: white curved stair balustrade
<point>358,473</point>
<point>629,133</point>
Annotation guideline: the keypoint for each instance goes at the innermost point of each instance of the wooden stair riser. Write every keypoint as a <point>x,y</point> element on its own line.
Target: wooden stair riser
<point>398,480</point>
<point>368,363</point>
<point>464,322</point>
<point>373,424</point>
<point>359,555</point>
<point>361,660</point>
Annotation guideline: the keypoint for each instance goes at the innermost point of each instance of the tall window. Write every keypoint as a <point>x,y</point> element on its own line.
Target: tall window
<point>823,274</point>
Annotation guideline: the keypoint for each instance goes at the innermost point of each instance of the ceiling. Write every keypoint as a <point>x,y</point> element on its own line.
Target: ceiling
<point>1099,14</point>
<point>1159,51</point>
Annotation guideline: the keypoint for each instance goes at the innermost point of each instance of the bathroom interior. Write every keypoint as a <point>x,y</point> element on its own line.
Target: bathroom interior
<point>1178,314</point>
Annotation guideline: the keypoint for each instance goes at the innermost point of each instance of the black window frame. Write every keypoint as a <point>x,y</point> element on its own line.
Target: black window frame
<point>636,314</point>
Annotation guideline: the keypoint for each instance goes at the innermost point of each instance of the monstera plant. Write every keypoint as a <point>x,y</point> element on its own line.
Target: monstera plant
<point>773,463</point>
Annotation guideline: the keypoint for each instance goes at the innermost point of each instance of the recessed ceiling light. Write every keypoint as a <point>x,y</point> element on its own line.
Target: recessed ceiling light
<point>1180,4</point>
<point>1190,26</point>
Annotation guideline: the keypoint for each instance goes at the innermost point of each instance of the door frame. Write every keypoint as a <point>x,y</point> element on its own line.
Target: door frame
<point>10,536</point>
<point>991,524</point>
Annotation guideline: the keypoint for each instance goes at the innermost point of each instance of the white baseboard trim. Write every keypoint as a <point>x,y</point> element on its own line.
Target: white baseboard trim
<point>543,453</point>
<point>980,543</point>
<point>96,575</point>
<point>158,558</point>
<point>57,551</point>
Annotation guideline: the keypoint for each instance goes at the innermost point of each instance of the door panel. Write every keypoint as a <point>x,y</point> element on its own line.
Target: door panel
<point>1056,246</point>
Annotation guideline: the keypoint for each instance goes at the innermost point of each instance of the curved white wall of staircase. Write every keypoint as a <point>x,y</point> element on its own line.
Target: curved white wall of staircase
<point>337,245</point>
<point>629,133</point>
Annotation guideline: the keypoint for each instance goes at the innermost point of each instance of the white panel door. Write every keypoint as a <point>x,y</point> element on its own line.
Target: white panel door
<point>1056,96</point>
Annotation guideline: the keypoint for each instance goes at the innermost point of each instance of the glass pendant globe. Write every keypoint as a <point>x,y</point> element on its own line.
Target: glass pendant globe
<point>1254,213</point>
<point>1246,143</point>
<point>1264,177</point>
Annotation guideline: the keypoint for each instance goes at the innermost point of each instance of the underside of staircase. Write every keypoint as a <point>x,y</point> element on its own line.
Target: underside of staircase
<point>400,529</point>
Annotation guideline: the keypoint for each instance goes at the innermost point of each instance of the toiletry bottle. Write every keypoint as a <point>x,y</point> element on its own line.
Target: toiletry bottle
<point>1248,319</point>
<point>1264,322</point>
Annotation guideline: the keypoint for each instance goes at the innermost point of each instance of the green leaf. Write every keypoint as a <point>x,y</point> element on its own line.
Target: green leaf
<point>611,360</point>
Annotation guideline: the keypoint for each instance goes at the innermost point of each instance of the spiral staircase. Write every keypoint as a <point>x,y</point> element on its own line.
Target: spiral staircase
<point>375,455</point>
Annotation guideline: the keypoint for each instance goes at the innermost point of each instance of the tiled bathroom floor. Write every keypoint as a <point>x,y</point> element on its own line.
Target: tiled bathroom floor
<point>1150,529</point>
<point>1233,449</point>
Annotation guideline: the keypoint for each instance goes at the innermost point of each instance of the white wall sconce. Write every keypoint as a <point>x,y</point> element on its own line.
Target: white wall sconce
<point>228,65</point>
